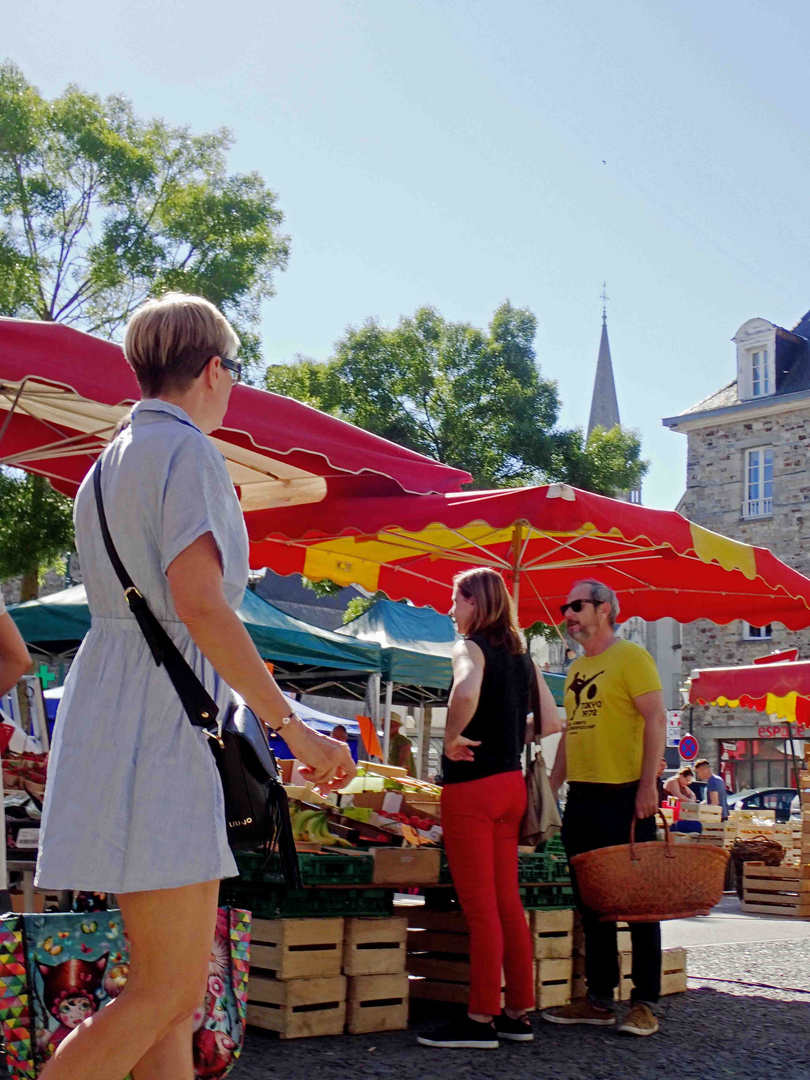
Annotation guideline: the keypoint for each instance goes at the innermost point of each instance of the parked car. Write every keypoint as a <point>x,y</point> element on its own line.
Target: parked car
<point>783,800</point>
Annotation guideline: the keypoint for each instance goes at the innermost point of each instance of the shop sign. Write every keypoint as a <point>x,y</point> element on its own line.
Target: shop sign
<point>673,727</point>
<point>783,731</point>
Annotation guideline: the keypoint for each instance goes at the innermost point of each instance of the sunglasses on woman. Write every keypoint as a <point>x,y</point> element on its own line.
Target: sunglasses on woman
<point>576,606</point>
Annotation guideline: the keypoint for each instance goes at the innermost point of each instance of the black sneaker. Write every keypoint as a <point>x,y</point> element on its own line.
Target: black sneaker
<point>519,1030</point>
<point>462,1034</point>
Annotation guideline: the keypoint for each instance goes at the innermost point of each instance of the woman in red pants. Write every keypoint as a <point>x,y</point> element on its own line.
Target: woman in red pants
<point>483,803</point>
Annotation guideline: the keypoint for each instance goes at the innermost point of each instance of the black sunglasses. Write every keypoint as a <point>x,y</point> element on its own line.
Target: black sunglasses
<point>576,606</point>
<point>232,365</point>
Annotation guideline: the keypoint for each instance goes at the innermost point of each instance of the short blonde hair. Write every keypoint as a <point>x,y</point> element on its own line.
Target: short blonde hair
<point>168,341</point>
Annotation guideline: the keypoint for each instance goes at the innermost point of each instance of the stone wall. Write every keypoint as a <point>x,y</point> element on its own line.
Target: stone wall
<point>714,498</point>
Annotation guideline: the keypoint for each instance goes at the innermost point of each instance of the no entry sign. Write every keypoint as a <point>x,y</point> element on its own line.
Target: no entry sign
<point>688,748</point>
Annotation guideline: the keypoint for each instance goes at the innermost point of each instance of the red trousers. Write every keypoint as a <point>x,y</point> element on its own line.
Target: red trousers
<point>481,819</point>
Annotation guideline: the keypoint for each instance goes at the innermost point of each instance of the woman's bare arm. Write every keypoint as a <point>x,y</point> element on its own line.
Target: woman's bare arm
<point>15,659</point>
<point>195,581</point>
<point>468,674</point>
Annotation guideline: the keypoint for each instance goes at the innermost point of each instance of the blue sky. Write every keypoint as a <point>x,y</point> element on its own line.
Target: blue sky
<point>461,152</point>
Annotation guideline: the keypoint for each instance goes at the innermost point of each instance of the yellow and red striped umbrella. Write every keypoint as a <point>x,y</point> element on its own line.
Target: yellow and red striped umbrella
<point>543,539</point>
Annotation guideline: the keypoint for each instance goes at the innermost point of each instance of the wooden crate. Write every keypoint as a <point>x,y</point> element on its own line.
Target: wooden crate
<point>553,982</point>
<point>298,1008</point>
<point>623,940</point>
<point>552,934</point>
<point>377,1003</point>
<point>673,975</point>
<point>296,948</point>
<point>375,946</point>
<point>454,993</point>
<point>776,890</point>
<point>673,972</point>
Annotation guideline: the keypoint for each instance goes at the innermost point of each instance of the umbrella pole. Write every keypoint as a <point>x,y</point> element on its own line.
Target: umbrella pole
<point>389,700</point>
<point>795,763</point>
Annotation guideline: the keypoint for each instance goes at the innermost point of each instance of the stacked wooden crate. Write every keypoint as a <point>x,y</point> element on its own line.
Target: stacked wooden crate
<point>374,964</point>
<point>438,955</point>
<point>296,987</point>
<point>784,890</point>
<point>673,966</point>
<point>553,941</point>
<point>439,961</point>
<point>317,976</point>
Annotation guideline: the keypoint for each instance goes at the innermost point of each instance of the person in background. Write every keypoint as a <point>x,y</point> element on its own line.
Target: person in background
<point>610,753</point>
<point>340,733</point>
<point>15,659</point>
<point>483,803</point>
<point>678,785</point>
<point>400,751</point>
<point>659,782</point>
<point>716,791</point>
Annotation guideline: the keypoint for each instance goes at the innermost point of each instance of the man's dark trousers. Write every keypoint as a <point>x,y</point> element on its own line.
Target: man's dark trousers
<point>597,816</point>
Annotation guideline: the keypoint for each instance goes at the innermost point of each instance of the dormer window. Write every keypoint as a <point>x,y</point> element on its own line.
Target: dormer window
<point>756,356</point>
<point>760,375</point>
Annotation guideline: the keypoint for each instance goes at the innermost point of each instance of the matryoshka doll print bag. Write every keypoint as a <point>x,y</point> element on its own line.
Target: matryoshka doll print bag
<point>58,969</point>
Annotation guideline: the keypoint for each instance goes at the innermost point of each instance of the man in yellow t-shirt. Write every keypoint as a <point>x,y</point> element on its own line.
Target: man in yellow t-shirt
<point>610,754</point>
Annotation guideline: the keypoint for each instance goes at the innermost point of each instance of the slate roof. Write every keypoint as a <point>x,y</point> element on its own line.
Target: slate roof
<point>792,372</point>
<point>288,594</point>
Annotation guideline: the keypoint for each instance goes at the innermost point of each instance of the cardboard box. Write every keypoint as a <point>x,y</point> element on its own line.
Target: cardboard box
<point>406,866</point>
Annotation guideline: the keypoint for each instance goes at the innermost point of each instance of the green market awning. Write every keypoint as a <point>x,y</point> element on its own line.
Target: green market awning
<point>416,642</point>
<point>417,645</point>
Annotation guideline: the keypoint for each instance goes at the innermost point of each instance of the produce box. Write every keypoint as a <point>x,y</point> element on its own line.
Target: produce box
<point>406,866</point>
<point>324,868</point>
<point>276,902</point>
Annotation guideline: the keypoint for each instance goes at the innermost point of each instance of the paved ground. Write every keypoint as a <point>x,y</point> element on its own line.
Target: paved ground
<point>746,1016</point>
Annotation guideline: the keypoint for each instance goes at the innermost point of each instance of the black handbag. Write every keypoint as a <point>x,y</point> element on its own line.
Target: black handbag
<point>257,812</point>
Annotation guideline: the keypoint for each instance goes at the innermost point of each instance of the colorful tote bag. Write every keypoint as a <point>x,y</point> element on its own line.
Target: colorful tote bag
<point>58,969</point>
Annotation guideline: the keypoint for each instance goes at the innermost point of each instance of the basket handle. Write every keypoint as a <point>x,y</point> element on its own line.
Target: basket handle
<point>670,852</point>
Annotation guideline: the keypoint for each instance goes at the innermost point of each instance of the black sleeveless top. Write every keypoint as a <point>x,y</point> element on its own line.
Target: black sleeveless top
<point>499,720</point>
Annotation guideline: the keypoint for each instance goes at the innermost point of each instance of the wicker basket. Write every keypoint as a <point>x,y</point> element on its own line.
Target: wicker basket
<point>760,849</point>
<point>651,881</point>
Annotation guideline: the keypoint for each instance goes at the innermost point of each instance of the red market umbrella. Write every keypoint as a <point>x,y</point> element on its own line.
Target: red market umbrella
<point>63,392</point>
<point>770,685</point>
<point>781,689</point>
<point>543,539</point>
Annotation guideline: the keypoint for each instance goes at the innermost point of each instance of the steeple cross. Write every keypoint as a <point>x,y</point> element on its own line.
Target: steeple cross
<point>604,298</point>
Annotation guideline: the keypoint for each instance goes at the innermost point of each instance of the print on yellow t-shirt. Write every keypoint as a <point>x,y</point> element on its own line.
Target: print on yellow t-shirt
<point>605,734</point>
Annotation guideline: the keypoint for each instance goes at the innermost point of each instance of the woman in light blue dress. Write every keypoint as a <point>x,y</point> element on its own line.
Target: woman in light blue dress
<point>134,804</point>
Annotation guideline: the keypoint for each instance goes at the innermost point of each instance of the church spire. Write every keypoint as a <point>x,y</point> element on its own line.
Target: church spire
<point>604,404</point>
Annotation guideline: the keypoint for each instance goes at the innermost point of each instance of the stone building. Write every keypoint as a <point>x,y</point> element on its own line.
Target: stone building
<point>748,478</point>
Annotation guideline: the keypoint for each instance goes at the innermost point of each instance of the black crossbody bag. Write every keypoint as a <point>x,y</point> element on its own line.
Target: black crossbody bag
<point>256,807</point>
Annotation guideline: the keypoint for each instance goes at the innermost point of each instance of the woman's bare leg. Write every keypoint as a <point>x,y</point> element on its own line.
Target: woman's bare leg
<point>171,932</point>
<point>171,1058</point>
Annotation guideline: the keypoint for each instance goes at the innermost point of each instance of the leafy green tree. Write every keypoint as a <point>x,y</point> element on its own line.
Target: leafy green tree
<point>36,529</point>
<point>471,398</point>
<point>100,209</point>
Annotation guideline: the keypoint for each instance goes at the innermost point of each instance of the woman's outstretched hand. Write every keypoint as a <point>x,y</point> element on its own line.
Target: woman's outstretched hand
<point>328,764</point>
<point>460,749</point>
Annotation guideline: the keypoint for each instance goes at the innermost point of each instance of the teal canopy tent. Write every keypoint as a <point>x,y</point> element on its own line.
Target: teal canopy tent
<point>417,645</point>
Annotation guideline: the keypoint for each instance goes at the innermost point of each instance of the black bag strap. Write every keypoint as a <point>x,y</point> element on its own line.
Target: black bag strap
<point>200,707</point>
